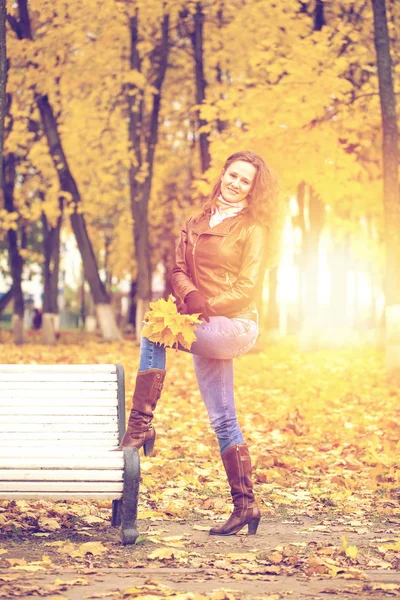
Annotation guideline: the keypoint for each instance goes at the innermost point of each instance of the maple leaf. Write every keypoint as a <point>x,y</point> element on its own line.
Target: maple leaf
<point>49,524</point>
<point>349,551</point>
<point>168,553</point>
<point>95,548</point>
<point>165,325</point>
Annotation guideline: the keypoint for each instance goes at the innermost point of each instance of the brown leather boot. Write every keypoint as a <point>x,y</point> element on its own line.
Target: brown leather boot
<point>237,465</point>
<point>140,431</point>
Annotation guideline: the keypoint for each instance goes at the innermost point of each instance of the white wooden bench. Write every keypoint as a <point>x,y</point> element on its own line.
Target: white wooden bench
<point>59,428</point>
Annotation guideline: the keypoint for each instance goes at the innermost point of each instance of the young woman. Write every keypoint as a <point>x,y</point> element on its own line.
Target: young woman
<point>220,261</point>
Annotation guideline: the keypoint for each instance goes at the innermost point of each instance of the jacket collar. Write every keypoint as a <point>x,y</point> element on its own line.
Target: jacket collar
<point>223,228</point>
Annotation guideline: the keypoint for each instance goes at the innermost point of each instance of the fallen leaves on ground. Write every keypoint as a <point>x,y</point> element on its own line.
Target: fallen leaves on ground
<point>153,590</point>
<point>323,428</point>
<point>81,550</point>
<point>16,586</point>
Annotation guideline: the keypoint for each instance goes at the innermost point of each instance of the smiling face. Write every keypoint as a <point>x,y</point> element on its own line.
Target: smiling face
<point>237,180</point>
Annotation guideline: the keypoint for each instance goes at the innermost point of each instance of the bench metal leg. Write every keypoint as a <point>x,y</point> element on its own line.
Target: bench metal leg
<point>130,495</point>
<point>116,518</point>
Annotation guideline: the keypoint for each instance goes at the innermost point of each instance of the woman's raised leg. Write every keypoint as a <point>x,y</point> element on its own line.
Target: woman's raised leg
<point>149,382</point>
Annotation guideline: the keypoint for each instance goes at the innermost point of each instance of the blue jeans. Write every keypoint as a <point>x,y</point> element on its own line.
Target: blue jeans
<point>217,344</point>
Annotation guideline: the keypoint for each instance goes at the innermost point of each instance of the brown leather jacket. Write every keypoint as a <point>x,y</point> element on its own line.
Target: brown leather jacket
<point>225,264</point>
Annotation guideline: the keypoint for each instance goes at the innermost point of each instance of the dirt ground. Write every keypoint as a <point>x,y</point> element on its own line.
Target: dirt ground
<point>282,560</point>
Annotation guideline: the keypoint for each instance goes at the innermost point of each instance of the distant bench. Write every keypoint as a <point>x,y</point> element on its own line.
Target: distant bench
<point>59,428</point>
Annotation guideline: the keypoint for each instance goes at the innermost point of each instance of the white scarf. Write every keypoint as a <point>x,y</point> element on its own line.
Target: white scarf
<point>226,209</point>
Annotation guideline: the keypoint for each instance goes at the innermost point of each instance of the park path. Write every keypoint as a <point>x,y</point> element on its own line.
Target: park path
<point>285,559</point>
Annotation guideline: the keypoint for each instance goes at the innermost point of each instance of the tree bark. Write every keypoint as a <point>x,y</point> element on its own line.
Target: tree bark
<point>391,189</point>
<point>169,238</point>
<point>221,125</point>
<point>319,17</point>
<point>309,267</point>
<point>3,78</point>
<point>132,305</point>
<point>106,318</point>
<point>340,264</point>
<point>311,235</point>
<point>316,212</point>
<point>140,137</point>
<point>197,38</point>
<point>272,316</point>
<point>51,244</point>
<point>16,262</point>
<point>299,221</point>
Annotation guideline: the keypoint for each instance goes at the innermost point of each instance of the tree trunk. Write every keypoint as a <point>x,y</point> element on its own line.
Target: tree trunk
<point>272,317</point>
<point>319,18</point>
<point>311,329</point>
<point>339,286</point>
<point>51,243</point>
<point>16,262</point>
<point>300,222</point>
<point>142,306</point>
<point>390,188</point>
<point>169,237</point>
<point>132,305</point>
<point>198,51</point>
<point>311,232</point>
<point>221,125</point>
<point>3,78</point>
<point>311,237</point>
<point>91,317</point>
<point>138,133</point>
<point>107,321</point>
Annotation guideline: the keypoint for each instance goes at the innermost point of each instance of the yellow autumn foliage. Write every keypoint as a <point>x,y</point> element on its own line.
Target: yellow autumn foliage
<point>306,100</point>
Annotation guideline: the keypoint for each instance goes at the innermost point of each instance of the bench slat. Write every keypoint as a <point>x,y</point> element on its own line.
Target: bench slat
<point>105,396</point>
<point>61,451</point>
<point>115,461</point>
<point>57,410</point>
<point>56,385</point>
<point>51,430</point>
<point>66,420</point>
<point>71,496</point>
<point>42,376</point>
<point>90,437</point>
<point>12,367</point>
<point>61,486</point>
<point>60,475</point>
<point>48,450</point>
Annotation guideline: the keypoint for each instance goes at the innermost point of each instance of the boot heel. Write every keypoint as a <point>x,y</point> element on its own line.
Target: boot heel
<point>148,446</point>
<point>253,526</point>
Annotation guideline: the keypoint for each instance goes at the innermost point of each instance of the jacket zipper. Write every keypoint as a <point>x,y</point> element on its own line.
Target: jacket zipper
<point>194,249</point>
<point>194,261</point>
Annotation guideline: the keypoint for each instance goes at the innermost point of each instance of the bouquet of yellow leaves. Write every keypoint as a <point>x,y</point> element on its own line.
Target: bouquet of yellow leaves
<point>163,324</point>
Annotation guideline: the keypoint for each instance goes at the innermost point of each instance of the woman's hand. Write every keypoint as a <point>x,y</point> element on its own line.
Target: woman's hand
<point>196,303</point>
